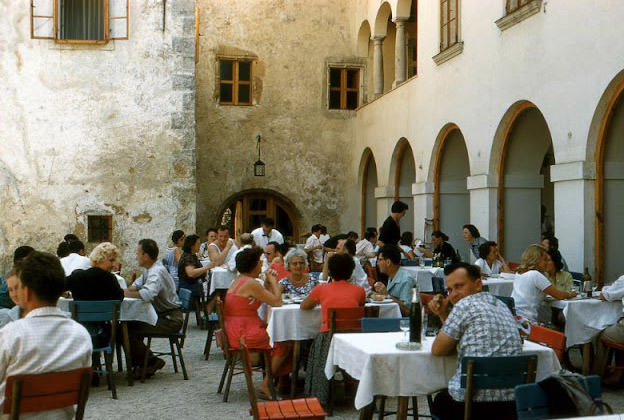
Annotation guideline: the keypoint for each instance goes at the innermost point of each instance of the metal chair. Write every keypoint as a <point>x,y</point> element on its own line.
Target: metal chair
<point>100,311</point>
<point>47,391</point>
<point>549,338</point>
<point>380,324</point>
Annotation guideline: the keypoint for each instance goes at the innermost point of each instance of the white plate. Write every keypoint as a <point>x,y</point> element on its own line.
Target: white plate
<point>387,300</point>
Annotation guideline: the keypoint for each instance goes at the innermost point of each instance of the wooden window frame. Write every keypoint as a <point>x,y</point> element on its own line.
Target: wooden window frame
<point>343,89</point>
<point>90,229</point>
<point>445,24</point>
<point>235,82</point>
<point>509,8</point>
<point>107,20</point>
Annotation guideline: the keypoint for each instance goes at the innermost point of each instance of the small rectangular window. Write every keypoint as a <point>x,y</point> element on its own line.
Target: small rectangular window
<point>235,81</point>
<point>513,5</point>
<point>449,18</point>
<point>344,88</point>
<point>100,228</point>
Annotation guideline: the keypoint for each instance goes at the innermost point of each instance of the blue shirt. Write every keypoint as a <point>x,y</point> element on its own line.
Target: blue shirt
<point>400,286</point>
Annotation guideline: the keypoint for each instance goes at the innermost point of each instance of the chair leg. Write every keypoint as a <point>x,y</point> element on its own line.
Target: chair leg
<point>226,393</point>
<point>182,365</point>
<point>108,359</point>
<point>267,371</point>
<point>147,352</point>
<point>382,407</point>
<point>208,344</point>
<point>223,375</point>
<point>118,353</point>
<point>173,355</point>
<point>330,398</point>
<point>415,408</point>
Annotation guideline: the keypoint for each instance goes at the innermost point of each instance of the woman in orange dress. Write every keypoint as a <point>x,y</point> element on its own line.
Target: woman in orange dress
<point>242,323</point>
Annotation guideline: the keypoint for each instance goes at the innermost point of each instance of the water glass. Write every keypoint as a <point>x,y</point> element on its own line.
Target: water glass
<point>404,325</point>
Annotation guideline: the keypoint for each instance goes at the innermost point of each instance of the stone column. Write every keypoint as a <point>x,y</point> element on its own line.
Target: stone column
<point>422,193</point>
<point>378,65</point>
<point>399,52</point>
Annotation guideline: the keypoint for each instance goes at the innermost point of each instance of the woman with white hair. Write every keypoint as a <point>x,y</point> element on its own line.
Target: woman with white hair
<point>298,282</point>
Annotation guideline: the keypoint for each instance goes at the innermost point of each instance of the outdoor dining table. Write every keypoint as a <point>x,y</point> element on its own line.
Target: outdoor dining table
<point>500,285</point>
<point>220,279</point>
<point>382,369</point>
<point>423,276</point>
<point>585,318</point>
<point>131,309</point>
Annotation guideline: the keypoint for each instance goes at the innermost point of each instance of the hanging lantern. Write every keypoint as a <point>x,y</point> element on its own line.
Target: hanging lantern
<point>259,164</point>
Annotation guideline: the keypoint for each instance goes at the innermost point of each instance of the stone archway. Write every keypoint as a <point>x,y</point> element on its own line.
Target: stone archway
<point>403,174</point>
<point>368,182</point>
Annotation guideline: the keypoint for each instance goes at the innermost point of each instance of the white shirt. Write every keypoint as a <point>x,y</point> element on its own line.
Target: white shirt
<point>359,276</point>
<point>156,285</point>
<point>262,240</point>
<point>323,238</point>
<point>486,269</point>
<point>528,293</point>
<point>45,340</point>
<point>317,254</point>
<point>231,262</point>
<point>406,249</point>
<point>363,248</point>
<point>74,262</point>
<point>614,291</point>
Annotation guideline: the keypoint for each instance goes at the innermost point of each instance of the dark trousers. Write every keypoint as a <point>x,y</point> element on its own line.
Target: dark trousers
<point>168,323</point>
<point>446,408</point>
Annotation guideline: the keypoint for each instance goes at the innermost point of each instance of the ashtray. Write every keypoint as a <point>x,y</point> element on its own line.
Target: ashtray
<point>406,345</point>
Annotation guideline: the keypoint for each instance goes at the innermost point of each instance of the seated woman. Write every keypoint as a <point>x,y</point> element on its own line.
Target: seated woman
<point>298,282</point>
<point>276,259</point>
<point>16,312</point>
<point>190,270</point>
<point>490,260</point>
<point>441,249</point>
<point>240,313</point>
<point>473,237</point>
<point>339,293</point>
<point>407,240</point>
<point>531,286</point>
<point>562,280</point>
<point>97,283</point>
<point>172,255</point>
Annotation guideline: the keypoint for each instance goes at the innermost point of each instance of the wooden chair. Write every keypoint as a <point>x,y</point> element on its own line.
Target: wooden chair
<point>612,347</point>
<point>532,402</point>
<point>232,358</point>
<point>494,373</point>
<point>47,391</point>
<point>100,311</point>
<point>549,338</point>
<point>305,408</point>
<point>176,339</point>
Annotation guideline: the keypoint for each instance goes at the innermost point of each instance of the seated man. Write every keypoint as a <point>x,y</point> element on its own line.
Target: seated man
<point>76,259</point>
<point>45,340</point>
<point>613,292</point>
<point>155,285</point>
<point>221,251</point>
<point>478,325</point>
<point>247,242</point>
<point>400,281</point>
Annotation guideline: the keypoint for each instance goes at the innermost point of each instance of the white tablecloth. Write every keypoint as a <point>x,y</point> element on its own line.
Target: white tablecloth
<point>382,369</point>
<point>289,322</point>
<point>423,276</point>
<point>132,309</point>
<point>499,286</point>
<point>220,278</point>
<point>585,318</point>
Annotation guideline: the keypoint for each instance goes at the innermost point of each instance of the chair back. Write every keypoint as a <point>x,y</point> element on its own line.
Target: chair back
<point>532,402</point>
<point>495,373</point>
<point>549,338</point>
<point>438,285</point>
<point>47,391</point>
<point>186,300</point>
<point>97,311</point>
<point>510,302</point>
<point>371,311</point>
<point>380,324</point>
<point>345,319</point>
<point>251,389</point>
<point>220,333</point>
<point>576,275</point>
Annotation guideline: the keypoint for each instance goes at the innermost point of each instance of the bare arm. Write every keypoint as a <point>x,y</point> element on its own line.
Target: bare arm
<point>558,294</point>
<point>443,345</point>
<point>219,257</point>
<point>194,272</point>
<point>426,253</point>
<point>309,303</point>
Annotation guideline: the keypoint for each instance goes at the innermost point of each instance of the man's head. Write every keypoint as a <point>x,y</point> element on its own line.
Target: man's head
<point>462,279</point>
<point>370,236</point>
<point>14,284</point>
<point>76,247</point>
<point>70,237</point>
<point>267,225</point>
<point>62,250</point>
<point>223,234</point>
<point>399,208</point>
<point>345,246</point>
<point>147,252</point>
<point>438,238</point>
<point>246,239</point>
<point>316,230</point>
<point>21,253</point>
<point>340,266</point>
<point>389,258</point>
<point>272,250</point>
<point>42,280</point>
<point>352,235</point>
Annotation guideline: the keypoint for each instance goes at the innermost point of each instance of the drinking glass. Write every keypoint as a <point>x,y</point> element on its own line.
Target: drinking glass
<point>404,325</point>
<point>421,262</point>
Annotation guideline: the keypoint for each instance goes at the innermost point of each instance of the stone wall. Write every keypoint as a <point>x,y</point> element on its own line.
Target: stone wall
<point>104,130</point>
<point>307,148</point>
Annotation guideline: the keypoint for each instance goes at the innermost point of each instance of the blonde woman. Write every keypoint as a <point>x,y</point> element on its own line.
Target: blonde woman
<point>531,286</point>
<point>97,283</point>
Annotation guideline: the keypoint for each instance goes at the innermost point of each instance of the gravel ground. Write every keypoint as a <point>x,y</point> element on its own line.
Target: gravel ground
<point>168,396</point>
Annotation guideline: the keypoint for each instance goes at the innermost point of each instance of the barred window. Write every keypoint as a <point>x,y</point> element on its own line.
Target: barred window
<point>448,23</point>
<point>344,88</point>
<point>100,228</point>
<point>235,82</point>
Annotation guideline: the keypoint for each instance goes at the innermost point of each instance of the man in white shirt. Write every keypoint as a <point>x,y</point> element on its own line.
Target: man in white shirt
<point>76,258</point>
<point>314,249</point>
<point>365,248</point>
<point>265,233</point>
<point>45,340</point>
<point>221,251</point>
<point>615,332</point>
<point>246,241</point>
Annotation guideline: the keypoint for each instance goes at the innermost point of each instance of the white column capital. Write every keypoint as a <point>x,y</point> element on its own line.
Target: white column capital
<point>570,171</point>
<point>421,188</point>
<point>481,181</point>
<point>378,39</point>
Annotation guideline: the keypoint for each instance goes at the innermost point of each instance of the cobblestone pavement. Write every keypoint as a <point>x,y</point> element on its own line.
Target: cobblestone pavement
<point>168,396</point>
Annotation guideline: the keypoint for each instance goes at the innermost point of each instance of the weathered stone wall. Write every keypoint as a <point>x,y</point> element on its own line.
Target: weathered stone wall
<point>307,148</point>
<point>97,130</point>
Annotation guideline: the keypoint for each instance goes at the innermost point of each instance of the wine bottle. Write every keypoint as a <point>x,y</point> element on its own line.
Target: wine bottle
<point>587,282</point>
<point>415,318</point>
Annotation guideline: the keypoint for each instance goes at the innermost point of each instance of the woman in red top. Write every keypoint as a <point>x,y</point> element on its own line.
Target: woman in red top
<point>240,313</point>
<point>337,294</point>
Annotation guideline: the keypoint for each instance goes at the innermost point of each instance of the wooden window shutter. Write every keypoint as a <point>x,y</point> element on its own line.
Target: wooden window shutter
<point>118,19</point>
<point>42,19</point>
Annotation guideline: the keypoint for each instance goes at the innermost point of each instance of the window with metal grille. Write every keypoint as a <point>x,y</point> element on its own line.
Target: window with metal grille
<point>235,82</point>
<point>448,23</point>
<point>344,88</point>
<point>100,228</point>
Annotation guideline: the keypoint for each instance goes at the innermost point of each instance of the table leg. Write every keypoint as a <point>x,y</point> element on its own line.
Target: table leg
<point>295,368</point>
<point>126,347</point>
<point>587,359</point>
<point>366,413</point>
<point>402,408</point>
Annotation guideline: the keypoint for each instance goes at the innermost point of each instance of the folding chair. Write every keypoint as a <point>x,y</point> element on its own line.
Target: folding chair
<point>47,391</point>
<point>549,338</point>
<point>100,311</point>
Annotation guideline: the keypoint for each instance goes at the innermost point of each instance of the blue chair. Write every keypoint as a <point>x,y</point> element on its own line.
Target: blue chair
<point>100,311</point>
<point>438,285</point>
<point>494,373</point>
<point>532,402</point>
<point>176,339</point>
<point>380,324</point>
<point>510,302</point>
